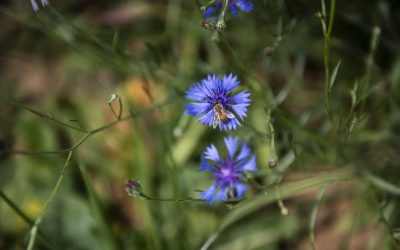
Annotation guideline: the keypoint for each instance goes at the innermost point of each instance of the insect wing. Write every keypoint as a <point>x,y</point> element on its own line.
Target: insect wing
<point>215,120</point>
<point>229,114</point>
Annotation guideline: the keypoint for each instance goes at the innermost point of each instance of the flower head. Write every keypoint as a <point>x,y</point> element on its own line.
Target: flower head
<point>234,6</point>
<point>227,171</point>
<point>215,104</point>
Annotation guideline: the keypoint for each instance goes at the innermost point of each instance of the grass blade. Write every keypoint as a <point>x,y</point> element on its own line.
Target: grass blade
<point>35,227</point>
<point>333,76</point>
<point>106,237</point>
<point>314,212</point>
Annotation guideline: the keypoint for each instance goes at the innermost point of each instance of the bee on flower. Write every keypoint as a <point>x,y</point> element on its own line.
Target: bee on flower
<point>215,103</point>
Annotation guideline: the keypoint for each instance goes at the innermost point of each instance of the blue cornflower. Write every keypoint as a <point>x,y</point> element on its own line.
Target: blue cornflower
<point>234,6</point>
<point>227,171</point>
<point>35,7</point>
<point>214,102</point>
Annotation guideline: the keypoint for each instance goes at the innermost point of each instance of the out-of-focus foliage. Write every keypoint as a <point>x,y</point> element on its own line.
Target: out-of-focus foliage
<point>68,59</point>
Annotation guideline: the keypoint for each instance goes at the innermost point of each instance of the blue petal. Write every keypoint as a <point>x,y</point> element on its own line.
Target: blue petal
<point>205,166</point>
<point>189,110</point>
<point>207,119</point>
<point>231,124</point>
<point>44,3</point>
<point>221,195</point>
<point>242,97</point>
<point>208,194</point>
<point>230,82</point>
<point>244,5</point>
<point>34,6</point>
<point>240,189</point>
<point>216,82</point>
<point>209,12</point>
<point>244,152</point>
<point>250,165</point>
<point>211,153</point>
<point>234,10</point>
<point>240,109</point>
<point>211,84</point>
<point>196,109</point>
<point>196,93</point>
<point>231,144</point>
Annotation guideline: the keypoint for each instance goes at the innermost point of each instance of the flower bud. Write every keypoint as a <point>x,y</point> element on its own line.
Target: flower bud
<point>272,164</point>
<point>133,188</point>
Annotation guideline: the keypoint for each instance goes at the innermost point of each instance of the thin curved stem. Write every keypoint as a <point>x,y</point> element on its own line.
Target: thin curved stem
<point>25,218</point>
<point>47,116</point>
<point>183,199</point>
<point>89,134</point>
<point>39,219</point>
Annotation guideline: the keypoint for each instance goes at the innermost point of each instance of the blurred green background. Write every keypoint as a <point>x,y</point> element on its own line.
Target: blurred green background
<point>338,178</point>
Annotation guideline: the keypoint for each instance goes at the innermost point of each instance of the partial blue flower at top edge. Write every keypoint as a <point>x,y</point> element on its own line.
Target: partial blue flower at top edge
<point>234,6</point>
<point>35,7</point>
<point>227,171</point>
<point>215,104</point>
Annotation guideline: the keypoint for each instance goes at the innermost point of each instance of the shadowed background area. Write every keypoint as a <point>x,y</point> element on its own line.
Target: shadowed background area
<point>336,180</point>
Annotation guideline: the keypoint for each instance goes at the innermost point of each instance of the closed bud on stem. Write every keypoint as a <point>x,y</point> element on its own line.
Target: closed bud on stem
<point>268,51</point>
<point>318,14</point>
<point>112,98</point>
<point>272,163</point>
<point>284,211</point>
<point>133,188</point>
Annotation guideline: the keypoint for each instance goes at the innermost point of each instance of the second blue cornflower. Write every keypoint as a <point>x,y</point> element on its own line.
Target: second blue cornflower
<point>227,171</point>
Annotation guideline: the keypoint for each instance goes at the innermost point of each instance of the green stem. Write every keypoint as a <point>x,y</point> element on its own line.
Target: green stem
<point>286,190</point>
<point>376,31</point>
<point>282,207</point>
<point>331,17</point>
<point>204,7</point>
<point>132,115</point>
<point>179,200</point>
<point>314,212</point>
<point>35,227</point>
<point>26,219</point>
<point>327,31</point>
<point>221,18</point>
<point>48,117</point>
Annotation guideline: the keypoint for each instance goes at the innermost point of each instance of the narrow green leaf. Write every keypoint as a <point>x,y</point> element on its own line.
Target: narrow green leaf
<point>314,212</point>
<point>187,143</point>
<point>381,183</point>
<point>333,76</point>
<point>115,40</point>
<point>285,190</point>
<point>323,9</point>
<point>105,234</point>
